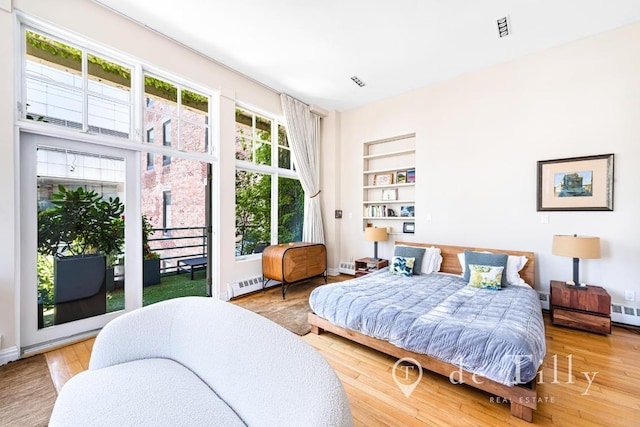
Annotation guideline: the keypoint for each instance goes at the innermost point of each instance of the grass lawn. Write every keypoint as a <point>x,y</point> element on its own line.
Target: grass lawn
<point>171,286</point>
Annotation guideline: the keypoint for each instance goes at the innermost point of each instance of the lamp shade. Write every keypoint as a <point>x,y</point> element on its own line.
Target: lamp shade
<point>374,234</point>
<point>576,246</point>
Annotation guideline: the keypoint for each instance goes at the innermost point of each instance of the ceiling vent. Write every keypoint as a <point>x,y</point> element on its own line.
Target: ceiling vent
<point>503,27</point>
<point>357,81</point>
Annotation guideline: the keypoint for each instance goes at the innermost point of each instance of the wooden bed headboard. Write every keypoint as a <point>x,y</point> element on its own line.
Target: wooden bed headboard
<point>451,264</point>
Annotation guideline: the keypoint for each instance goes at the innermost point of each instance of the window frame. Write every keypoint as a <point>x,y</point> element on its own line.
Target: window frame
<point>275,172</point>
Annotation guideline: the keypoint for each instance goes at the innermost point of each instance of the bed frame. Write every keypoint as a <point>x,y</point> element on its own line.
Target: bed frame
<point>522,397</point>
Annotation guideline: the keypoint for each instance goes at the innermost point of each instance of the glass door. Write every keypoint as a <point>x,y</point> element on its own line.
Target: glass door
<point>76,203</point>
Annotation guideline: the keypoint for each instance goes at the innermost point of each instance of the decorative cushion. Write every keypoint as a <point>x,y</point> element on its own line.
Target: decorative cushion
<point>483,258</point>
<point>485,276</point>
<point>402,266</point>
<point>514,265</point>
<point>413,252</point>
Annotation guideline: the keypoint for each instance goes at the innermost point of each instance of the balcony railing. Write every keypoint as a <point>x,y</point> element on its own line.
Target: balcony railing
<point>177,243</point>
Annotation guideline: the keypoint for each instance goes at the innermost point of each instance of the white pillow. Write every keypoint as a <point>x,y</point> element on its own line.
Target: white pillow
<point>514,265</point>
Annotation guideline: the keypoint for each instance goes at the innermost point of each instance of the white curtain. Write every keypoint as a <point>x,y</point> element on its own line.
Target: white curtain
<point>303,132</point>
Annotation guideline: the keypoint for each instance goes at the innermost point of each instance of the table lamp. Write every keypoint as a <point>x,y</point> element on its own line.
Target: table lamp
<point>375,235</point>
<point>576,247</point>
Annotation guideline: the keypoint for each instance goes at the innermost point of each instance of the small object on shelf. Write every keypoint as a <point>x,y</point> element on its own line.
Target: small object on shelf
<point>390,194</point>
<point>407,211</point>
<point>383,179</point>
<point>411,176</point>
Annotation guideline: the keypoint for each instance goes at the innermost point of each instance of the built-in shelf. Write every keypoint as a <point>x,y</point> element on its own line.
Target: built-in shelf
<point>385,162</point>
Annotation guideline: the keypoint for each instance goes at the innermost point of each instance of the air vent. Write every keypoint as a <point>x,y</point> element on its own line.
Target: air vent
<point>544,300</point>
<point>503,27</point>
<point>625,314</point>
<point>347,267</point>
<point>357,81</point>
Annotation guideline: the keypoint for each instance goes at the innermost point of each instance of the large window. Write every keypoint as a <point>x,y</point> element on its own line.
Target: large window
<point>67,84</point>
<point>269,197</point>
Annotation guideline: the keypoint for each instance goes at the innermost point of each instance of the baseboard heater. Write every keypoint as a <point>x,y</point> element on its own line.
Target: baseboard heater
<point>243,287</point>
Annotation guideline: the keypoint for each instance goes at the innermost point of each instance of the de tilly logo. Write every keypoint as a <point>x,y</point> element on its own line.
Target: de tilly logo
<point>407,373</point>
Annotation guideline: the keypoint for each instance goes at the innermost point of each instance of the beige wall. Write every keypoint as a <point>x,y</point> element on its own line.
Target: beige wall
<point>479,137</point>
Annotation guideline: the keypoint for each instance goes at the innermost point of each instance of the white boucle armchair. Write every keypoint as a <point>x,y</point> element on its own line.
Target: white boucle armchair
<point>196,361</point>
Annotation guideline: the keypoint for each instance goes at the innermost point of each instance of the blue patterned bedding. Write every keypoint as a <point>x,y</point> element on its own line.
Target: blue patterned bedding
<point>438,315</point>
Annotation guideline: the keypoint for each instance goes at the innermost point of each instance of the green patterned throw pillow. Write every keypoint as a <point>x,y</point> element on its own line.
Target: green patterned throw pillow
<point>402,266</point>
<point>485,276</point>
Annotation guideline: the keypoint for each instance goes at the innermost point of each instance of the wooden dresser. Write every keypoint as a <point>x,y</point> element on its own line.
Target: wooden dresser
<point>292,262</point>
<point>588,309</point>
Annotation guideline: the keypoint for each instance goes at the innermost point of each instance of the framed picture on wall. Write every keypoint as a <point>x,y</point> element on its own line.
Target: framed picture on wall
<point>576,184</point>
<point>408,227</point>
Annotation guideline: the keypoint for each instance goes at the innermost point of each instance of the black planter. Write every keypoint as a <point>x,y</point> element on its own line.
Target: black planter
<point>79,287</point>
<point>110,280</point>
<point>151,272</point>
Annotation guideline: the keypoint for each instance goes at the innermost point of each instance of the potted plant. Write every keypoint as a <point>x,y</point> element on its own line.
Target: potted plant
<point>151,259</point>
<point>79,231</point>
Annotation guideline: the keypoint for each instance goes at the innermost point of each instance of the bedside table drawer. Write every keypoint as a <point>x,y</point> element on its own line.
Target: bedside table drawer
<point>581,320</point>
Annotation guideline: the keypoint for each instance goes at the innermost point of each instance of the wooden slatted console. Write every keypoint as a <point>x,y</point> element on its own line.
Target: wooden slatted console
<point>293,262</point>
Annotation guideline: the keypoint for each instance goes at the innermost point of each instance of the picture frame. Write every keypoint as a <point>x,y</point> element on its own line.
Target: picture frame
<point>383,179</point>
<point>408,227</point>
<point>407,211</point>
<point>390,194</point>
<point>576,184</point>
<point>401,177</point>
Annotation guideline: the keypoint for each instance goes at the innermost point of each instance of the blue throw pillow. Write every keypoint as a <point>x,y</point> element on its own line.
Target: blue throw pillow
<point>410,251</point>
<point>481,258</point>
<point>402,266</point>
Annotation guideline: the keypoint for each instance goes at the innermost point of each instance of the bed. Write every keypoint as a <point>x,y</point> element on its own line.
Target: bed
<point>444,324</point>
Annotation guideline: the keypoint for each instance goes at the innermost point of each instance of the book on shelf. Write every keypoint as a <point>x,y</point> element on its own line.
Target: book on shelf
<point>411,176</point>
<point>401,177</point>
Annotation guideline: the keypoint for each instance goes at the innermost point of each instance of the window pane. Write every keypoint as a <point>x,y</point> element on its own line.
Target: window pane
<point>108,117</point>
<point>193,137</point>
<point>243,135</point>
<point>166,140</point>
<point>290,210</point>
<point>284,158</point>
<point>150,138</point>
<point>194,117</point>
<point>53,61</point>
<point>99,183</point>
<point>262,141</point>
<point>253,211</point>
<point>109,103</point>
<point>161,96</point>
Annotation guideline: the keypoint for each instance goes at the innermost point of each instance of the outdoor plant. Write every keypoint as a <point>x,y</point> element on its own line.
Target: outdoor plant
<point>147,231</point>
<point>81,222</point>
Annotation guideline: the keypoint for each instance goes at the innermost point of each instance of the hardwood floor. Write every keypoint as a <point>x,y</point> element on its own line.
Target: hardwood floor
<point>566,397</point>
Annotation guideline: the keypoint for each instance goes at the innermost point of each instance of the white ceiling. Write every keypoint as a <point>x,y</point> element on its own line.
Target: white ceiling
<point>310,48</point>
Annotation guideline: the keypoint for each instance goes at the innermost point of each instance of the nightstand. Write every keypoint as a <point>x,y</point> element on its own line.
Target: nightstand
<point>365,266</point>
<point>587,309</point>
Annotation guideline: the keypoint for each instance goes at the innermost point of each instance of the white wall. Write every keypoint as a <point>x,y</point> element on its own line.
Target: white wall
<point>479,137</point>
<point>93,22</point>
